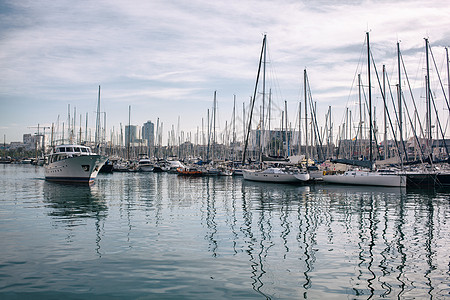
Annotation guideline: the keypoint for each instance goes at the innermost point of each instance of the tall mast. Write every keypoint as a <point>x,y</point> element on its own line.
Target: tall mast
<point>97,122</point>
<point>208,135</point>
<point>129,131</point>
<point>269,113</point>
<point>306,117</point>
<point>360,114</point>
<point>286,133</point>
<point>448,73</point>
<point>299,126</point>
<point>68,124</point>
<point>85,134</point>
<point>214,126</point>
<point>262,139</point>
<point>253,101</point>
<point>385,114</point>
<point>428,97</point>
<point>400,121</point>
<point>243,121</point>
<point>370,102</point>
<point>330,135</point>
<point>234,128</point>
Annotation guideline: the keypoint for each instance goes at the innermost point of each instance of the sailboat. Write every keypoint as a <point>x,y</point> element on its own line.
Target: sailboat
<point>276,175</point>
<point>358,177</point>
<point>370,177</point>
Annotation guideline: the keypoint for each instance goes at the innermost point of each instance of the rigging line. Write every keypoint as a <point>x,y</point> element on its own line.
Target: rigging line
<point>253,102</point>
<point>440,81</point>
<point>387,111</point>
<point>373,117</point>
<point>411,93</point>
<point>313,113</point>
<point>439,123</point>
<point>273,78</point>
<point>396,117</point>
<point>413,128</point>
<point>354,77</point>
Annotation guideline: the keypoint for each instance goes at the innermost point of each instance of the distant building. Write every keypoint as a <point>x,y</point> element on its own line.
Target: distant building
<point>33,142</point>
<point>131,134</point>
<point>148,133</point>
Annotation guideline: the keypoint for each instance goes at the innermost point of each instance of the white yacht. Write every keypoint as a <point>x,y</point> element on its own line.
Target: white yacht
<point>145,165</point>
<point>73,163</point>
<point>357,177</point>
<point>275,175</point>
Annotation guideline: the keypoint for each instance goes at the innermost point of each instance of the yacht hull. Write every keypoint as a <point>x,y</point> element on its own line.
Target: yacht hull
<point>264,177</point>
<point>79,169</point>
<point>367,178</point>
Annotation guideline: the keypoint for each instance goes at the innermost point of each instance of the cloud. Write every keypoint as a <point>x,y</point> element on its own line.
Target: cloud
<point>147,53</point>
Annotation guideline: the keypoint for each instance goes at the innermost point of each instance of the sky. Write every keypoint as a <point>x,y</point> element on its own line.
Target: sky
<point>165,59</point>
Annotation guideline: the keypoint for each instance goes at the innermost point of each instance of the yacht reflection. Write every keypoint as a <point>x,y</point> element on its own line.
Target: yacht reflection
<point>73,202</point>
<point>274,195</point>
<point>70,204</point>
<point>355,189</point>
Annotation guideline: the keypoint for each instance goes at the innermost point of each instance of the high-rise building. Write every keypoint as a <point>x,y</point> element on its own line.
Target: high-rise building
<point>131,134</point>
<point>148,133</point>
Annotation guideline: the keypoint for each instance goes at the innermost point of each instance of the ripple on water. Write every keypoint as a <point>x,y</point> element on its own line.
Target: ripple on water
<point>134,235</point>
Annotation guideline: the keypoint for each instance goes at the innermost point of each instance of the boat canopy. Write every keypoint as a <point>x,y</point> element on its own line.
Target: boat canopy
<point>360,163</point>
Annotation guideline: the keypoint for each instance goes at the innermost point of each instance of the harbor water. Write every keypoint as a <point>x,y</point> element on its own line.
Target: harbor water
<point>163,236</point>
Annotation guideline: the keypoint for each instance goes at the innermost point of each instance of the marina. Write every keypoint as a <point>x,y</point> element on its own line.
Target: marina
<point>134,235</point>
<point>225,150</point>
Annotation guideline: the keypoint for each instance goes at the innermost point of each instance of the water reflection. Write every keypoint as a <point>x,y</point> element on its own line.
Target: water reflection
<point>227,236</point>
<point>72,204</point>
<point>383,241</point>
<point>379,238</point>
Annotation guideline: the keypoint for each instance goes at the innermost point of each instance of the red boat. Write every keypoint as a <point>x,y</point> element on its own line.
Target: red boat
<point>189,171</point>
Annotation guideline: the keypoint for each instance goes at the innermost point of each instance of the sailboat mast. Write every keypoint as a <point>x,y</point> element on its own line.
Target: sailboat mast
<point>234,127</point>
<point>269,113</point>
<point>299,141</point>
<point>360,114</point>
<point>448,73</point>
<point>129,132</point>
<point>286,133</point>
<point>97,122</point>
<point>306,117</point>
<point>428,98</point>
<point>214,127</point>
<point>263,105</point>
<point>385,148</point>
<point>85,133</point>
<point>400,121</point>
<point>370,101</point>
<point>253,101</point>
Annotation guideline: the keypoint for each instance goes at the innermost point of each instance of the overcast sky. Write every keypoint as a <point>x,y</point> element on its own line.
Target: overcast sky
<point>166,58</point>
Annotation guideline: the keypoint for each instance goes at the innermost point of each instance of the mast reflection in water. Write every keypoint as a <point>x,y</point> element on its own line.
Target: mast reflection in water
<point>161,236</point>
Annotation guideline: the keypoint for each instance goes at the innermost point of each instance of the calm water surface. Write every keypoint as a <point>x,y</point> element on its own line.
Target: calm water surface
<point>160,236</point>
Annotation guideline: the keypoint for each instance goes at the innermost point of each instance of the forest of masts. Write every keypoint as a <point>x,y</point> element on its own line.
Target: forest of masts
<point>403,126</point>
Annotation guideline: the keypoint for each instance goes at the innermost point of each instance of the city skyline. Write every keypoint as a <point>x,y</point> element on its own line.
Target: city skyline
<point>166,60</point>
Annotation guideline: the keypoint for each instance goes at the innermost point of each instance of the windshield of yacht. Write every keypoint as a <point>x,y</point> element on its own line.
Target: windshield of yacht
<point>74,149</point>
